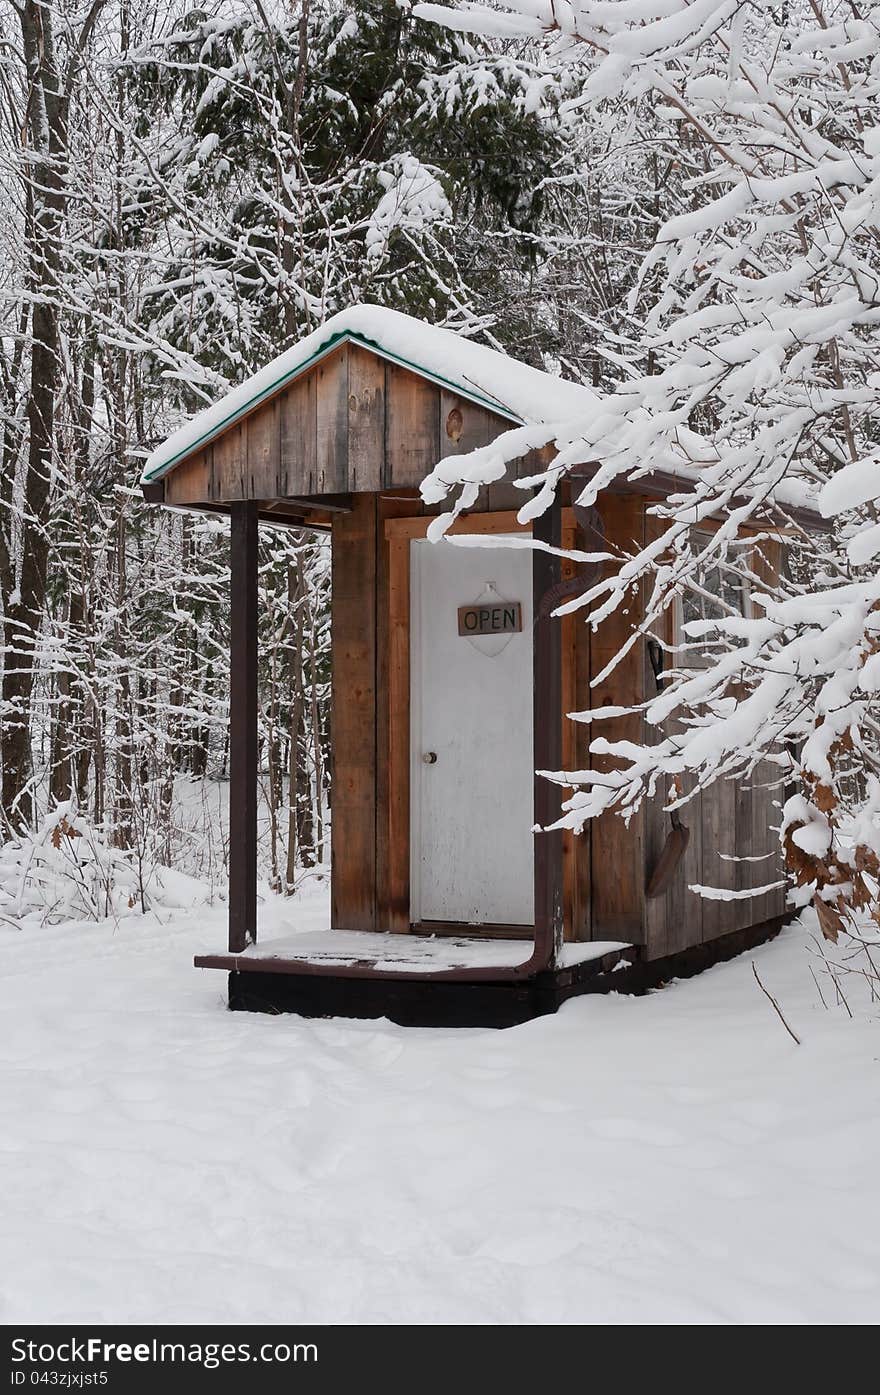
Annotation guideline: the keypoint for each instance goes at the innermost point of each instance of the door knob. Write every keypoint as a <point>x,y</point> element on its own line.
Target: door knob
<point>429,757</point>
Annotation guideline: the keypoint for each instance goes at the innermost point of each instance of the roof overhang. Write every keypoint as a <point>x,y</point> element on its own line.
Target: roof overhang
<point>330,345</point>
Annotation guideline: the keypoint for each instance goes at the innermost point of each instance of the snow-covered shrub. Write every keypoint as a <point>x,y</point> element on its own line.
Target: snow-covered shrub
<point>68,871</point>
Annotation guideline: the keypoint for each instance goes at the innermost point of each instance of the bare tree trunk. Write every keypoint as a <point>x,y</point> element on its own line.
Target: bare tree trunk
<point>45,130</point>
<point>69,757</point>
<point>295,607</point>
<point>304,808</point>
<point>273,759</point>
<point>317,754</point>
<point>123,812</point>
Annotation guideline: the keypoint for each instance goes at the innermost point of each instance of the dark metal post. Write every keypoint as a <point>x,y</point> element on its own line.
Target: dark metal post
<point>547,572</point>
<point>243,728</point>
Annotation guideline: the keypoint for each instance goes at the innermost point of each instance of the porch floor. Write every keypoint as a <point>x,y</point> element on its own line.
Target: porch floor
<point>396,954</point>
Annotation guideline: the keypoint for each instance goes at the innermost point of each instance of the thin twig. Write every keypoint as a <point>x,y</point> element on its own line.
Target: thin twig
<point>818,987</point>
<point>841,994</point>
<point>778,1009</point>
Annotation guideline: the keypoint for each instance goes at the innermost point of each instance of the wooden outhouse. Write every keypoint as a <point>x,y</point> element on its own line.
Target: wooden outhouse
<point>450,685</point>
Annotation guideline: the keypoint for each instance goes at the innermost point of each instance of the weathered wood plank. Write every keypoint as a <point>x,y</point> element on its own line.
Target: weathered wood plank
<point>264,450</point>
<point>535,462</point>
<point>583,842</point>
<point>719,836</point>
<point>766,814</point>
<point>743,909</point>
<point>732,817</point>
<point>660,911</point>
<point>190,483</point>
<point>505,495</point>
<point>617,851</point>
<point>760,843</point>
<point>685,928</point>
<point>366,419</point>
<point>767,561</point>
<point>657,908</point>
<point>465,425</point>
<point>398,822</point>
<point>547,709</point>
<point>229,464</point>
<point>297,472</point>
<point>412,427</point>
<point>675,919</point>
<point>332,423</point>
<point>657,824</point>
<point>664,914</point>
<point>575,847</point>
<point>353,617</point>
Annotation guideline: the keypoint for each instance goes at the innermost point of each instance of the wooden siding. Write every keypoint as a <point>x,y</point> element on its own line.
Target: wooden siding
<point>366,419</point>
<point>606,868</point>
<point>191,481</point>
<point>730,819</point>
<point>297,471</point>
<point>353,424</point>
<point>576,848</point>
<point>412,427</point>
<point>618,858</point>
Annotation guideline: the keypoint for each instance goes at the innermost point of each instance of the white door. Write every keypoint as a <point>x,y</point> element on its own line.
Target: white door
<point>471,739</point>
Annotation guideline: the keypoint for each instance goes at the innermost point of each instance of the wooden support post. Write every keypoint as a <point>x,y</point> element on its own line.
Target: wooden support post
<point>353,720</point>
<point>547,708</point>
<point>243,728</point>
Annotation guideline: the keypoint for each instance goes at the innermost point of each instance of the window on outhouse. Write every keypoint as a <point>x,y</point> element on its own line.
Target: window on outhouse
<point>720,590</point>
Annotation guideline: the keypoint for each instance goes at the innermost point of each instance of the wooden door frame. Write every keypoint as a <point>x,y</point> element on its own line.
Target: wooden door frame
<point>393,732</point>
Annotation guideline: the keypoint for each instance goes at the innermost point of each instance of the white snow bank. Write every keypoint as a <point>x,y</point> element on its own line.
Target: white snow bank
<point>667,1159</point>
<point>484,375</point>
<point>67,868</point>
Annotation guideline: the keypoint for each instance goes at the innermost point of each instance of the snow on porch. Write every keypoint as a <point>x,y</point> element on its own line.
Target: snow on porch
<point>388,953</point>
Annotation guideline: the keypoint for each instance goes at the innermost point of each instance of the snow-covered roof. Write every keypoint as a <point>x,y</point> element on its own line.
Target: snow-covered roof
<point>485,376</point>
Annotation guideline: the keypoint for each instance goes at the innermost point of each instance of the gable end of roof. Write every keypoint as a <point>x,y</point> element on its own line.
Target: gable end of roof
<point>156,469</point>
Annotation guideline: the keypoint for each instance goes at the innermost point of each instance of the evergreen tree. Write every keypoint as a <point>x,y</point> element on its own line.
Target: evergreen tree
<point>332,158</point>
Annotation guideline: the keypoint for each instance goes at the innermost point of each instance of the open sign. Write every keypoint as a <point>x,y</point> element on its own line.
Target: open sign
<point>503,618</point>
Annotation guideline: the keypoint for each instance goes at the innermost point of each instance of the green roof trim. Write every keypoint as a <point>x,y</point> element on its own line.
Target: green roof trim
<point>333,342</point>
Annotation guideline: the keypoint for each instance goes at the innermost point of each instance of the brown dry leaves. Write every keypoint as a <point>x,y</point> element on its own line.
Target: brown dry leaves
<point>63,829</point>
<point>849,877</point>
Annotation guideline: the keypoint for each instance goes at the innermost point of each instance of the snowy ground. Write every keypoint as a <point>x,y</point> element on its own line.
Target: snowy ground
<point>674,1158</point>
